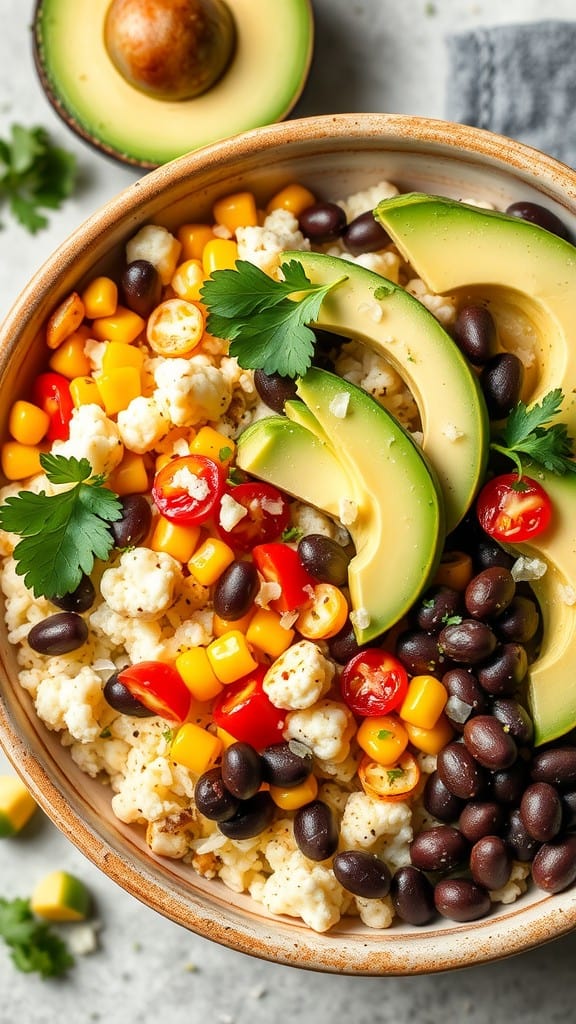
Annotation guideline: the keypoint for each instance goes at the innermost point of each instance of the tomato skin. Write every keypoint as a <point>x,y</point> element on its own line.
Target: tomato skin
<point>245,711</point>
<point>159,687</point>
<point>51,392</point>
<point>513,509</point>
<point>261,524</point>
<point>373,682</point>
<point>279,563</point>
<point>175,503</point>
<point>391,783</point>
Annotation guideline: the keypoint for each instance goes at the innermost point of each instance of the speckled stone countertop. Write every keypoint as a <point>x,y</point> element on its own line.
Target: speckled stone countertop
<point>370,55</point>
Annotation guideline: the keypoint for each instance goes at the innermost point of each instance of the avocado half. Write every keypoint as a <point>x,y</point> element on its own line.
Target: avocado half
<point>261,84</point>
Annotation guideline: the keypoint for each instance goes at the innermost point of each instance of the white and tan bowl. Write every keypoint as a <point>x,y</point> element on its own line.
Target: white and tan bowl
<point>334,156</point>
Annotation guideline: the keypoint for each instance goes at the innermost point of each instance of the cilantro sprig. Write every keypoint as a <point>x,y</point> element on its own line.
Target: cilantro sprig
<point>529,431</point>
<point>34,175</point>
<point>266,320</point>
<point>33,945</point>
<point>62,533</point>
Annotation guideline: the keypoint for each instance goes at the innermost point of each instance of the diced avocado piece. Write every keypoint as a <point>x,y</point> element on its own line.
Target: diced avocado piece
<point>61,896</point>
<point>17,805</point>
<point>292,458</point>
<point>522,272</point>
<point>385,317</point>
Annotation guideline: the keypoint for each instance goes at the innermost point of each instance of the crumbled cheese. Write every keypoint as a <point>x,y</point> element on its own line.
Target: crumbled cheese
<point>339,405</point>
<point>196,486</point>
<point>273,506</point>
<point>360,617</point>
<point>567,595</point>
<point>373,310</point>
<point>269,591</point>
<point>526,568</point>
<point>452,432</point>
<point>231,512</point>
<point>347,511</point>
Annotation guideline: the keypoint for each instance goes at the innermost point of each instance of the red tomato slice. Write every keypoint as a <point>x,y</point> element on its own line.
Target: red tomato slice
<point>373,682</point>
<point>268,514</point>
<point>279,563</point>
<point>245,711</point>
<point>159,687</point>
<point>513,509</point>
<point>187,490</point>
<point>52,393</point>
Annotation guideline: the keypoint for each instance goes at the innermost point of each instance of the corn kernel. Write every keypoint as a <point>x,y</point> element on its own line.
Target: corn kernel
<point>210,560</point>
<point>431,741</point>
<point>193,238</point>
<point>214,445</point>
<point>124,325</point>
<point>130,476</point>
<point>297,796</point>
<point>424,702</point>
<point>188,280</point>
<point>196,671</point>
<point>69,358</point>
<point>230,657</point>
<point>236,210</point>
<point>267,633</point>
<point>226,738</point>
<point>219,254</point>
<point>119,387</point>
<point>174,539</point>
<point>100,298</point>
<point>118,354</point>
<point>195,748</point>
<point>221,626</point>
<point>65,319</point>
<point>84,391</point>
<point>294,198</point>
<point>20,461</point>
<point>27,422</point>
<point>17,805</point>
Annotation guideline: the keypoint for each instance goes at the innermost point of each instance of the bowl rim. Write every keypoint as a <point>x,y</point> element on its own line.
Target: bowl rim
<point>282,940</point>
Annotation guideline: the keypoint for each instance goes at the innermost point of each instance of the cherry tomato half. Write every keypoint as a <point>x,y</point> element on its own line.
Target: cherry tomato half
<point>373,682</point>
<point>51,392</point>
<point>245,711</point>
<point>158,687</point>
<point>187,490</point>
<point>391,782</point>
<point>512,508</point>
<point>267,516</point>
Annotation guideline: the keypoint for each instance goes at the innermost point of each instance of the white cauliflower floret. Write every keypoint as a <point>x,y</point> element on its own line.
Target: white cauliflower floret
<point>141,639</point>
<point>102,755</point>
<point>326,728</point>
<point>156,245</point>
<point>307,519</point>
<point>172,836</point>
<point>72,703</point>
<point>146,793</point>
<point>142,424</point>
<point>375,913</point>
<point>142,584</point>
<point>93,436</point>
<point>303,888</point>
<point>367,199</point>
<point>191,390</point>
<point>299,677</point>
<point>366,821</point>
<point>264,245</point>
<point>442,306</point>
<point>21,609</point>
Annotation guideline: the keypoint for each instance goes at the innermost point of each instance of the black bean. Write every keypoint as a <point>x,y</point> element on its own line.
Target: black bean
<point>324,558</point>
<point>501,383</point>
<point>539,215</point>
<point>284,766</point>
<point>316,830</point>
<point>481,818</point>
<point>490,745</point>
<point>569,811</point>
<point>554,866</point>
<point>252,817</point>
<point>58,634</point>
<point>322,222</point>
<point>489,593</point>
<point>508,785</point>
<point>489,554</point>
<point>514,718</point>
<point>467,642</point>
<point>502,673</point>
<point>460,899</point>
<point>437,604</point>
<point>274,389</point>
<point>412,895</point>
<point>118,696</point>
<point>235,590</point>
<point>141,287</point>
<point>519,623</point>
<point>78,600</point>
<point>241,770</point>
<point>460,773</point>
<point>418,651</point>
<point>463,685</point>
<point>475,333</point>
<point>212,798</point>
<point>490,862</point>
<point>135,523</point>
<point>518,839</point>
<point>365,234</point>
<point>344,645</point>
<point>440,848</point>
<point>439,801</point>
<point>541,811</point>
<point>556,765</point>
<point>362,874</point>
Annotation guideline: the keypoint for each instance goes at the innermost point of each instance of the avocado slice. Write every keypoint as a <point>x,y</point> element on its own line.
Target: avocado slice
<point>262,82</point>
<point>516,266</point>
<point>298,412</point>
<point>385,317</point>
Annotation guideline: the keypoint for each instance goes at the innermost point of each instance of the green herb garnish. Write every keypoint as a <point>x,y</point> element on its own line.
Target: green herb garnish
<point>265,319</point>
<point>291,534</point>
<point>34,175</point>
<point>64,532</point>
<point>394,773</point>
<point>384,734</point>
<point>451,620</point>
<point>529,432</point>
<point>33,945</point>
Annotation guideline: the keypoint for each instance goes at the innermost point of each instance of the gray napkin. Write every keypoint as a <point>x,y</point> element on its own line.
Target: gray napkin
<point>518,80</point>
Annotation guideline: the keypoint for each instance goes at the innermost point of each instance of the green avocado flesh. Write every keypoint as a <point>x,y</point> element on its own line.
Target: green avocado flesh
<point>387,319</point>
<point>397,526</point>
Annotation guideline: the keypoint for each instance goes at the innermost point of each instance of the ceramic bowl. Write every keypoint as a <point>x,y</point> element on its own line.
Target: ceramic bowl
<point>334,156</point>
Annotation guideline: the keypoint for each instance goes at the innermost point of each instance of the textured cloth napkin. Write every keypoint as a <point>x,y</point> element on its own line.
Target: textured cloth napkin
<point>517,80</point>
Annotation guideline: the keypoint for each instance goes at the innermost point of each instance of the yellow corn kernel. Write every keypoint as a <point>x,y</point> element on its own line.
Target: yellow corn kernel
<point>214,445</point>
<point>297,796</point>
<point>130,476</point>
<point>65,319</point>
<point>124,325</point>
<point>119,387</point>
<point>424,702</point>
<point>174,539</point>
<point>219,254</point>
<point>208,563</point>
<point>455,570</point>
<point>294,198</point>
<point>20,461</point>
<point>195,748</point>
<point>118,354</point>
<point>431,741</point>
<point>235,210</point>
<point>383,737</point>
<point>267,633</point>
<point>197,672</point>
<point>84,391</point>
<point>69,358</point>
<point>27,422</point>
<point>230,656</point>
<point>100,298</point>
<point>221,626</point>
<point>188,279</point>
<point>226,738</point>
<point>162,460</point>
<point>17,805</point>
<point>193,238</point>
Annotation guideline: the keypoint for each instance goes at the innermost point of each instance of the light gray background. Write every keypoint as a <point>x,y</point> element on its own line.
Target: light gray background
<point>371,55</point>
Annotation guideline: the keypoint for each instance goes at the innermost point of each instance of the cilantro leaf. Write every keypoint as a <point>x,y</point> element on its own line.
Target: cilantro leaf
<point>266,320</point>
<point>530,432</point>
<point>33,945</point>
<point>34,175</point>
<point>62,533</point>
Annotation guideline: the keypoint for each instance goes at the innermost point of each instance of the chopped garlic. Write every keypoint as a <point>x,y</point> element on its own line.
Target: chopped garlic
<point>347,511</point>
<point>268,592</point>
<point>339,405</point>
<point>274,507</point>
<point>567,595</point>
<point>525,568</point>
<point>451,432</point>
<point>373,310</point>
<point>360,617</point>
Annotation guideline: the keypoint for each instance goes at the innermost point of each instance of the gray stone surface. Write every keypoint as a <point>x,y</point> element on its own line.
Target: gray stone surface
<point>370,55</point>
